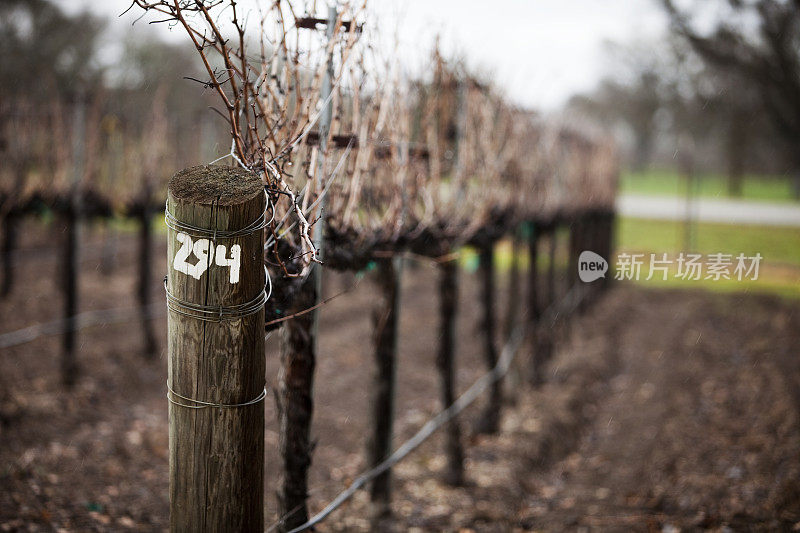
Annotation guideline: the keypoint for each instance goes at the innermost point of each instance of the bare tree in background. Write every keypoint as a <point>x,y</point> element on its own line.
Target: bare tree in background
<point>758,40</point>
<point>44,50</point>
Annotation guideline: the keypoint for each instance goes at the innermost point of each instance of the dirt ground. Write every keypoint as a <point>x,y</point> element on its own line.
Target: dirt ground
<point>662,411</point>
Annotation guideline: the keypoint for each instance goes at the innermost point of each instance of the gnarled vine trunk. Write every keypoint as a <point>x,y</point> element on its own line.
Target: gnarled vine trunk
<point>445,362</point>
<point>385,323</point>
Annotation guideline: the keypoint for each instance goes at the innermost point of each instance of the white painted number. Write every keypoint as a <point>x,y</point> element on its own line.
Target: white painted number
<point>234,261</point>
<point>206,255</point>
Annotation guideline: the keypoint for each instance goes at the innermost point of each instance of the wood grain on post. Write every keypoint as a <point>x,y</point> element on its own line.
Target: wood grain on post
<point>216,454</point>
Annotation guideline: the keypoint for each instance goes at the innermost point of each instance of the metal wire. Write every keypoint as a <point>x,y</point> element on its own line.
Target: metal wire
<point>218,313</point>
<point>99,317</point>
<point>204,405</point>
<point>565,306</point>
<point>198,232</point>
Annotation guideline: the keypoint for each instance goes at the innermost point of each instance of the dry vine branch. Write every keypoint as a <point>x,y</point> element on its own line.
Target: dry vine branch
<point>271,97</point>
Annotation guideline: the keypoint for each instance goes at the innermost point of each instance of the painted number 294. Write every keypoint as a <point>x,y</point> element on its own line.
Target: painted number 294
<point>206,255</point>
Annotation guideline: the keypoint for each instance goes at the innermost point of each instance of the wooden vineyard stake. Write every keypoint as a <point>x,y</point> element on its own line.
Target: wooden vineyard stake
<point>385,323</point>
<point>216,290</point>
<point>546,335</point>
<point>552,290</point>
<point>145,281</point>
<point>514,296</point>
<point>69,362</point>
<point>9,245</point>
<point>445,362</point>
<point>489,421</point>
<point>534,311</point>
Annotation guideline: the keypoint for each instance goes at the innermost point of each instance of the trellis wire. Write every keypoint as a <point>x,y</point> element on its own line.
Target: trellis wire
<point>79,321</point>
<point>566,305</point>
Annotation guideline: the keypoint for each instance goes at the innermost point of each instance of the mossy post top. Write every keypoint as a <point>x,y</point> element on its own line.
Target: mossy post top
<point>211,184</point>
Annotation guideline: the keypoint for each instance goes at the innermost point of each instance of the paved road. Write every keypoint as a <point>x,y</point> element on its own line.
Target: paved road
<point>710,210</point>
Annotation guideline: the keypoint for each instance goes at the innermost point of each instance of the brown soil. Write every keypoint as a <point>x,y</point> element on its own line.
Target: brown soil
<point>662,410</point>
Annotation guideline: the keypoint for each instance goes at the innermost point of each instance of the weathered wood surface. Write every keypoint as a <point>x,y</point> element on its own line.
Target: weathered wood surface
<point>217,455</point>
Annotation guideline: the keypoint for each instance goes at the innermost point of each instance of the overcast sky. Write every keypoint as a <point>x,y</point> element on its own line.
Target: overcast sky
<point>540,51</point>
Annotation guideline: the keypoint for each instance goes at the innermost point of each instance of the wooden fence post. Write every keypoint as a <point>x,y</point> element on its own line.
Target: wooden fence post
<point>10,222</point>
<point>216,383</point>
<point>546,334</point>
<point>108,254</point>
<point>512,316</point>
<point>445,362</point>
<point>489,421</point>
<point>146,279</point>
<point>534,312</point>
<point>551,266</point>
<point>9,245</point>
<point>512,309</point>
<point>607,239</point>
<point>574,243</point>
<point>69,363</point>
<point>385,323</point>
<point>580,240</point>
